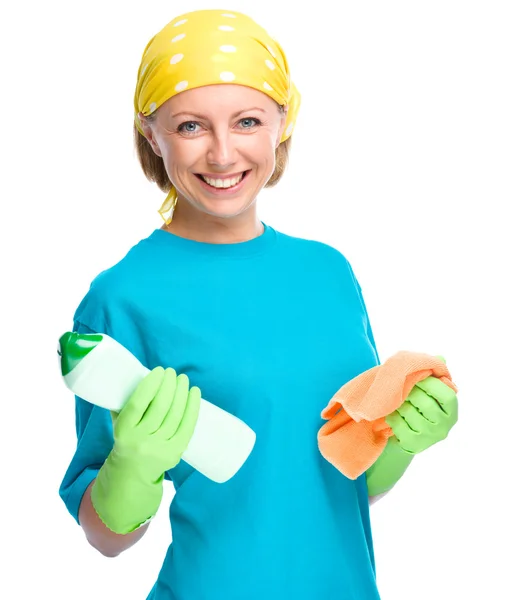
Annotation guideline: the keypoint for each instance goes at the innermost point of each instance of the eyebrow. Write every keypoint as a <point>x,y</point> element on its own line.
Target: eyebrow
<point>192,114</point>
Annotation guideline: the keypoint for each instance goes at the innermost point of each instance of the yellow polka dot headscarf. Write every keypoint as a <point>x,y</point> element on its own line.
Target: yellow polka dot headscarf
<point>208,47</point>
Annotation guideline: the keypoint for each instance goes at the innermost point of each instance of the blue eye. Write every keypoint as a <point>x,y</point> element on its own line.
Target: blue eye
<point>250,120</point>
<point>188,127</point>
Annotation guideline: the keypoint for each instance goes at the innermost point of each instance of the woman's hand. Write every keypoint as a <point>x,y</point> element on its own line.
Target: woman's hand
<point>426,417</point>
<point>155,427</point>
<point>151,433</point>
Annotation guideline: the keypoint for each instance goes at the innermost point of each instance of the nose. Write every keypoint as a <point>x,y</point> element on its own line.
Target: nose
<point>222,150</point>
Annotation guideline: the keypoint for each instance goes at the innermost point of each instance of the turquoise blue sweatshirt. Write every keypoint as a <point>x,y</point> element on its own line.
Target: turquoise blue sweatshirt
<point>269,329</point>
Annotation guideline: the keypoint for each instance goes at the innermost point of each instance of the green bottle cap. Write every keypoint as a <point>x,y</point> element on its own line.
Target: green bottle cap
<point>74,347</point>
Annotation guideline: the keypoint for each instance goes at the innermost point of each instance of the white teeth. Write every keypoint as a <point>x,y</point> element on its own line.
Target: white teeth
<point>223,183</point>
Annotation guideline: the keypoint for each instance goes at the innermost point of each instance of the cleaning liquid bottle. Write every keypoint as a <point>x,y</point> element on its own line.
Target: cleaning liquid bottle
<point>100,370</point>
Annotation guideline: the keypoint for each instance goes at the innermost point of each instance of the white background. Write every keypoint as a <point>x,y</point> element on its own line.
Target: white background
<point>399,160</point>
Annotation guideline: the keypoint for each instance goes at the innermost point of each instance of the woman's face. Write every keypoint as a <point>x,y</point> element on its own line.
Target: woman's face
<point>218,145</point>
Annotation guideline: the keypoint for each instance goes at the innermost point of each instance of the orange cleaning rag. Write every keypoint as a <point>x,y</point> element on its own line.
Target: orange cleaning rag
<point>356,432</point>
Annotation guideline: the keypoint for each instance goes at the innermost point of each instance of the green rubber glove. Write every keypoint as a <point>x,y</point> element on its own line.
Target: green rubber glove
<point>151,433</point>
<point>425,418</point>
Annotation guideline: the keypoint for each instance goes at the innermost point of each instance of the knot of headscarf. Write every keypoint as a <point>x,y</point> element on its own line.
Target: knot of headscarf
<point>207,47</point>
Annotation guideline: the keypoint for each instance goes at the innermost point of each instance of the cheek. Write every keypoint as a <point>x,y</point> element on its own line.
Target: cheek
<point>261,149</point>
<point>180,154</point>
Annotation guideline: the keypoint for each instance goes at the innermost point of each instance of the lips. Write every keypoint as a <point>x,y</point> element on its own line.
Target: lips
<point>222,185</point>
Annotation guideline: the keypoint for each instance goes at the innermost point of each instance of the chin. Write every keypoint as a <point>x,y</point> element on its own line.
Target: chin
<point>225,214</point>
<point>228,210</point>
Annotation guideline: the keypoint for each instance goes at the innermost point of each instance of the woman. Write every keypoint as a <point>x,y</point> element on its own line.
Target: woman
<point>267,325</point>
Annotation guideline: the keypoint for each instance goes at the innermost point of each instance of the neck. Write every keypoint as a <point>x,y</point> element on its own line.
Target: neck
<point>215,230</point>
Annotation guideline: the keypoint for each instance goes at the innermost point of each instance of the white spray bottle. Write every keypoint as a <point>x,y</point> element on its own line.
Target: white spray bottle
<point>98,369</point>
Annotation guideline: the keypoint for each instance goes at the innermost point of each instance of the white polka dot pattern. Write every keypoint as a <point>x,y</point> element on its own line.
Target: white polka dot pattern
<point>227,76</point>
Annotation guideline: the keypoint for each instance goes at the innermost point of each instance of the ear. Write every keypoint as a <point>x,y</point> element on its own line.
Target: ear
<point>282,126</point>
<point>148,131</point>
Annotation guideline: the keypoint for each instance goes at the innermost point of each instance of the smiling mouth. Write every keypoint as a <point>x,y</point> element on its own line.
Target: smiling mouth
<point>223,184</point>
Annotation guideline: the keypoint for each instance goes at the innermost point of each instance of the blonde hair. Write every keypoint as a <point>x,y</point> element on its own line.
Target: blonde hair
<point>154,169</point>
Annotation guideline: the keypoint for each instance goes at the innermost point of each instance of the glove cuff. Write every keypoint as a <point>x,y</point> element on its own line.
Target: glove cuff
<point>388,468</point>
<point>124,501</point>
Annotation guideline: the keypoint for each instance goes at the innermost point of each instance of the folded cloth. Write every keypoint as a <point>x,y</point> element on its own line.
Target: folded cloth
<point>356,432</point>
